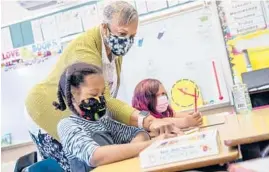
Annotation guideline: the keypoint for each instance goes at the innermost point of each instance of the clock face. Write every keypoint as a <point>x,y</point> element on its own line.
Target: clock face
<point>183,94</point>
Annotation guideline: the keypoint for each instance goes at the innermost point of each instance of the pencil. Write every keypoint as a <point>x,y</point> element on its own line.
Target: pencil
<point>195,100</point>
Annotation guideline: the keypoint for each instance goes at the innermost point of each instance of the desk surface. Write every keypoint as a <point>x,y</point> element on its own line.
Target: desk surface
<point>132,165</point>
<point>244,129</point>
<point>238,129</point>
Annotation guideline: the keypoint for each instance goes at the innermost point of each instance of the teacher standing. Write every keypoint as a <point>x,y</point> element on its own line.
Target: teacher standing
<point>103,46</point>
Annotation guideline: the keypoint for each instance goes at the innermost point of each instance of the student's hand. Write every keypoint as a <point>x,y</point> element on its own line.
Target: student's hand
<point>194,119</point>
<point>181,114</point>
<point>160,126</point>
<point>164,136</point>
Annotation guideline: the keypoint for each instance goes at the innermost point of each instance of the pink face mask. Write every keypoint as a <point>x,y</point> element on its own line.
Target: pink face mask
<point>162,104</point>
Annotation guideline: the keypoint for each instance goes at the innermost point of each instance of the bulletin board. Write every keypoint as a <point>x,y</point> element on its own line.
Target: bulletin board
<point>184,50</point>
<point>245,27</point>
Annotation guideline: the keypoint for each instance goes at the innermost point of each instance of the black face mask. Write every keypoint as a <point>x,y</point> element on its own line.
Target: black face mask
<point>93,109</point>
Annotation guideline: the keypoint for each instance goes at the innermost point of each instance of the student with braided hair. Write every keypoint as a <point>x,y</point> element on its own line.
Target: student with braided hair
<point>90,136</point>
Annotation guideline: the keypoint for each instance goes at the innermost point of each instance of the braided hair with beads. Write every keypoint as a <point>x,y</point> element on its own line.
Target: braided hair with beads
<point>73,76</point>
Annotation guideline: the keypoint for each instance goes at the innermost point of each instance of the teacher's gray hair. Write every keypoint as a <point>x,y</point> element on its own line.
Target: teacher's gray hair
<point>124,12</point>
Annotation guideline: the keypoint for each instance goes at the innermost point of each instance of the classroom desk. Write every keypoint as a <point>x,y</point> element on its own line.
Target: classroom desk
<point>132,165</point>
<point>248,128</point>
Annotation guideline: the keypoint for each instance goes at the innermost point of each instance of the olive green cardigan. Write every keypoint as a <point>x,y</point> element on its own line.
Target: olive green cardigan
<point>86,48</point>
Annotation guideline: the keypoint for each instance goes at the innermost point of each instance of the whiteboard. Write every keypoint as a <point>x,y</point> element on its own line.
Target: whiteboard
<point>15,85</point>
<point>6,42</point>
<point>190,41</point>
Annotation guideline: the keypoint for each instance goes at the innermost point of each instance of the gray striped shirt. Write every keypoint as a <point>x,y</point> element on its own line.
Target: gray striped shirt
<point>76,135</point>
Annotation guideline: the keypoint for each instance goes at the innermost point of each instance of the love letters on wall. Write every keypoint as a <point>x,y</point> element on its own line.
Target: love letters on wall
<point>29,55</point>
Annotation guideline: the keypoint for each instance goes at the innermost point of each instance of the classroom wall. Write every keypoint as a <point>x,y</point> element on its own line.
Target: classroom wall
<point>9,16</point>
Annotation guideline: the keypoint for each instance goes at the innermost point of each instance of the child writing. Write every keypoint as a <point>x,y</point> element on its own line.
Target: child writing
<point>150,95</point>
<point>90,135</point>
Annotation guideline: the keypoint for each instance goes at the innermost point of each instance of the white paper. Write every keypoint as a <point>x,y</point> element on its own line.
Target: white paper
<point>37,33</point>
<point>189,146</point>
<point>154,5</point>
<point>141,6</point>
<point>266,9</point>
<point>69,23</point>
<point>172,2</point>
<point>49,28</point>
<point>247,28</point>
<point>241,10</point>
<point>6,41</point>
<point>61,24</point>
<point>244,16</point>
<point>89,16</point>
<point>259,41</point>
<point>75,23</point>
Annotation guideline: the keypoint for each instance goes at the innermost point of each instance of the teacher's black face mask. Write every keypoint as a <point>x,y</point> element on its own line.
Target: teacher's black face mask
<point>93,109</point>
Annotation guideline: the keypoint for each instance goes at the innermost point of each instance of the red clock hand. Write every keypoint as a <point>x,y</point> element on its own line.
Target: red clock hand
<point>184,92</point>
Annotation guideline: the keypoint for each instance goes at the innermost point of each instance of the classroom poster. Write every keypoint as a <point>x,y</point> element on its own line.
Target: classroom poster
<point>37,31</point>
<point>49,28</point>
<point>30,55</point>
<point>89,16</point>
<point>266,10</point>
<point>249,52</point>
<point>245,30</point>
<point>6,41</point>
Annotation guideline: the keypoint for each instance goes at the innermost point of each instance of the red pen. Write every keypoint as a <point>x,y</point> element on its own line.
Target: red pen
<point>195,100</point>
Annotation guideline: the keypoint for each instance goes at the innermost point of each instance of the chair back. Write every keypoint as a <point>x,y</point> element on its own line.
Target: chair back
<point>25,161</point>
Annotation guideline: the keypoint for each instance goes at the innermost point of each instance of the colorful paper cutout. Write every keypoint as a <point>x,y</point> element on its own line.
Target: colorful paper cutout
<point>140,42</point>
<point>28,55</point>
<point>160,35</point>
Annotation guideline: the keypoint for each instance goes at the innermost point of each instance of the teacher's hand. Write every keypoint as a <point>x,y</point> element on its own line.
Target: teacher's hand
<point>159,126</point>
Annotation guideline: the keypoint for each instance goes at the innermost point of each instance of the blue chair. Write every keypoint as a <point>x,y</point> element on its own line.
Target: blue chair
<point>47,165</point>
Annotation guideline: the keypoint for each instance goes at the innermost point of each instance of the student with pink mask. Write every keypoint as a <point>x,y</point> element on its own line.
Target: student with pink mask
<point>150,95</point>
